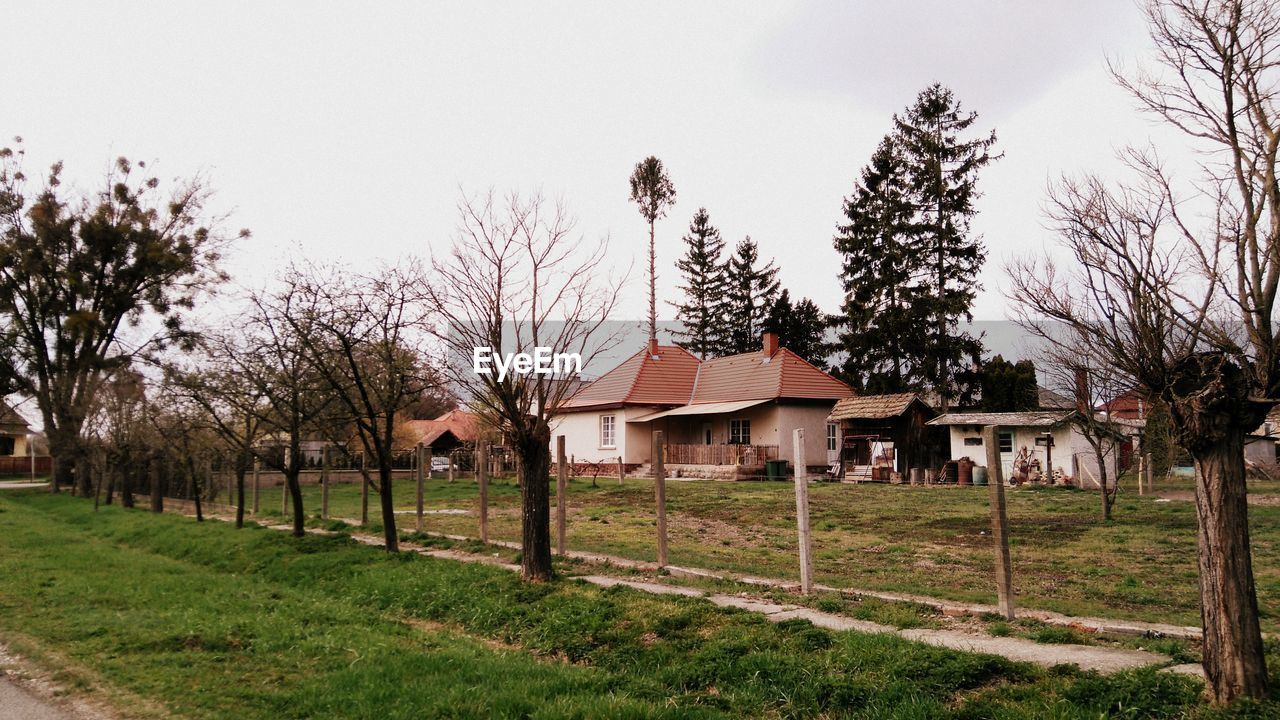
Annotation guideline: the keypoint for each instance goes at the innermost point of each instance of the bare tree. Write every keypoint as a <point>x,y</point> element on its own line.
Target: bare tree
<point>360,335</point>
<point>117,424</point>
<point>1141,295</point>
<point>516,278</point>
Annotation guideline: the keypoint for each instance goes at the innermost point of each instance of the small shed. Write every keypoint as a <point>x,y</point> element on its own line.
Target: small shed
<point>886,433</point>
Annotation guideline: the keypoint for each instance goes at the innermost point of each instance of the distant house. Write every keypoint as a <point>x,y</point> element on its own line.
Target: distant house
<point>889,432</point>
<point>450,431</point>
<point>1023,438</point>
<point>717,416</point>
<point>13,432</point>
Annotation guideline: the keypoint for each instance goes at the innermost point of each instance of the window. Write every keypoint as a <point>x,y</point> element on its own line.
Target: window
<point>7,444</point>
<point>1006,442</point>
<point>608,438</point>
<point>973,441</point>
<point>739,432</point>
<point>831,437</point>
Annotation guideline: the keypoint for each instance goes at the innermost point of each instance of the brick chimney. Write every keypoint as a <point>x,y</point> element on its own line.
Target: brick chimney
<point>770,343</point>
<point>653,347</point>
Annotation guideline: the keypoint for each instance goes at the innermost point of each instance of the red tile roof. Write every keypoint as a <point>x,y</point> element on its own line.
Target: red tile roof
<point>678,378</point>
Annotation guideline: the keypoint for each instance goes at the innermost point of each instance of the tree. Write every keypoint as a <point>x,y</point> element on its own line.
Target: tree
<point>943,170</point>
<point>801,328</point>
<point>749,293</point>
<point>702,312</point>
<point>1009,387</point>
<point>653,193</point>
<point>360,334</point>
<point>883,321</point>
<point>117,424</point>
<point>77,272</point>
<point>515,279</point>
<point>1143,296</point>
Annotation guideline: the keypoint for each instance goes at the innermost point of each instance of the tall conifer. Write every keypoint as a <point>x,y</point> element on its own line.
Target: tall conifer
<point>749,295</point>
<point>702,314</point>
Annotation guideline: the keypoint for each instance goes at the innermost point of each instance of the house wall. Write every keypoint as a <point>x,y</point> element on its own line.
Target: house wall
<point>582,435</point>
<point>1072,453</point>
<point>814,421</point>
<point>1260,451</point>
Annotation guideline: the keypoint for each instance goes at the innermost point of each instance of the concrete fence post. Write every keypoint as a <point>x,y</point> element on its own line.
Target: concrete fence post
<point>660,493</point>
<point>1148,471</point>
<point>999,522</point>
<point>562,491</point>
<point>621,470</point>
<point>802,513</point>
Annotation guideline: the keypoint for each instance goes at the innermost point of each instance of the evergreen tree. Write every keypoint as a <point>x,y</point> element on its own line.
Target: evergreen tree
<point>749,293</point>
<point>943,168</point>
<point>801,328</point>
<point>1009,387</point>
<point>653,193</point>
<point>702,313</point>
<point>882,323</point>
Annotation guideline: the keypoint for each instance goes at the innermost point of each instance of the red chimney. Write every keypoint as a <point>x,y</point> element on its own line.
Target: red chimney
<point>770,344</point>
<point>653,347</point>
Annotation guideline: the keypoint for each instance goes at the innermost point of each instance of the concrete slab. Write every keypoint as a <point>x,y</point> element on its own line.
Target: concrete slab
<point>649,587</point>
<point>751,605</point>
<point>1102,659</point>
<point>831,622</point>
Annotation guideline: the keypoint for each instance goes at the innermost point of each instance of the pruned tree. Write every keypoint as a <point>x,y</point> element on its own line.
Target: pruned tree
<point>653,193</point>
<point>80,273</point>
<point>516,278</point>
<point>702,311</point>
<point>1142,294</point>
<point>361,335</point>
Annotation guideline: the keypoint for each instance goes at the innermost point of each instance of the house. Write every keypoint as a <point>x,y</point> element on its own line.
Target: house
<point>1037,438</point>
<point>450,431</point>
<point>721,418</point>
<point>886,431</point>
<point>13,432</point>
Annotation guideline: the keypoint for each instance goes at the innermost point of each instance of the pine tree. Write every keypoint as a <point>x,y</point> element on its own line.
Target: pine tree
<point>943,168</point>
<point>702,313</point>
<point>882,322</point>
<point>801,328</point>
<point>1009,387</point>
<point>749,293</point>
<point>653,193</point>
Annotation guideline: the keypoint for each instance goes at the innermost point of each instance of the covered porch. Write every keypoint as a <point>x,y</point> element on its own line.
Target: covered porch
<point>729,440</point>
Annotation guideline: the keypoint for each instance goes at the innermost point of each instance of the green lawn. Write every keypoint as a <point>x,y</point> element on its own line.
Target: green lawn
<point>165,617</point>
<point>929,541</point>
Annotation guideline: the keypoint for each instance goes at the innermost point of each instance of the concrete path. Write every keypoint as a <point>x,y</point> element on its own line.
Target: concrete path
<point>21,484</point>
<point>18,704</point>
<point>1086,657</point>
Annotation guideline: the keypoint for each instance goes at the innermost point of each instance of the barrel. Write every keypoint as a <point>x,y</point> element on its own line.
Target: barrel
<point>949,471</point>
<point>979,475</point>
<point>964,471</point>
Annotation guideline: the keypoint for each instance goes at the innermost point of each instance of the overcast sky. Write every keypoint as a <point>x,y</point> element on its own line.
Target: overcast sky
<point>346,131</point>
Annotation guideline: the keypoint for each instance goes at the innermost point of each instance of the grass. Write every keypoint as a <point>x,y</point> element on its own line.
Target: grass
<point>164,617</point>
<point>929,541</point>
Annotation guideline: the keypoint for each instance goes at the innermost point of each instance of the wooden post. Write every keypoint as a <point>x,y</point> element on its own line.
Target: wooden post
<point>482,477</point>
<point>230,477</point>
<point>999,522</point>
<point>257,468</point>
<point>421,481</point>
<point>1148,471</point>
<point>621,470</point>
<point>1141,471</point>
<point>660,493</point>
<point>450,465</point>
<point>802,513</point>
<point>1048,458</point>
<point>562,489</point>
<point>324,483</point>
<point>364,491</point>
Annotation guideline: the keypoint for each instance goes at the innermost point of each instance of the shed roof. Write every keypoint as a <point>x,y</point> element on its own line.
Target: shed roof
<point>1032,418</point>
<point>874,407</point>
<point>10,418</point>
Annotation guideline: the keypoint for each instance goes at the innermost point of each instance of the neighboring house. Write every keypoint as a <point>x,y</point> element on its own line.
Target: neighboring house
<point>448,432</point>
<point>1129,405</point>
<point>13,432</point>
<point>1018,435</point>
<point>729,412</point>
<point>885,431</point>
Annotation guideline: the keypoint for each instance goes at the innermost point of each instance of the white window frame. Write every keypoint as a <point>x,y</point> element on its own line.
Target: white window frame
<point>833,437</point>
<point>742,423</point>
<point>611,441</point>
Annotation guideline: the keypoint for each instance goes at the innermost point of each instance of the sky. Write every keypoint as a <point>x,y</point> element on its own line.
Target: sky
<point>347,132</point>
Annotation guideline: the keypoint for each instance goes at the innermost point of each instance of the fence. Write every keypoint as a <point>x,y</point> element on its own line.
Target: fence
<point>21,465</point>
<point>752,455</point>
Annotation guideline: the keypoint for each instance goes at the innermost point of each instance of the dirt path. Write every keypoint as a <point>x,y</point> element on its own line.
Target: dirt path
<point>1086,657</point>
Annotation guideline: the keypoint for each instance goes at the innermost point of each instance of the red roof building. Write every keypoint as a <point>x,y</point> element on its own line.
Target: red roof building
<point>735,410</point>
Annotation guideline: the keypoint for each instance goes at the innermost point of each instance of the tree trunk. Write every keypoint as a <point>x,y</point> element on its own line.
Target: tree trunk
<point>295,497</point>
<point>653,305</point>
<point>1234,662</point>
<point>111,485</point>
<point>389,535</point>
<point>157,494</point>
<point>1102,475</point>
<point>84,483</point>
<point>126,487</point>
<point>535,503</point>
<point>240,473</point>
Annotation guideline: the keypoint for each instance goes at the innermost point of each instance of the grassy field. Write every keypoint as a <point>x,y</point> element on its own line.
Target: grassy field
<point>164,617</point>
<point>930,541</point>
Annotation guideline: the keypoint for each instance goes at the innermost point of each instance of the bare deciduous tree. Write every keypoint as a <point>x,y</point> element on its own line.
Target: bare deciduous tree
<point>517,278</point>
